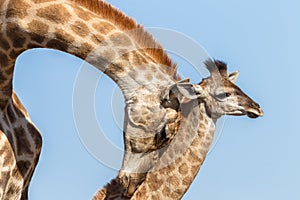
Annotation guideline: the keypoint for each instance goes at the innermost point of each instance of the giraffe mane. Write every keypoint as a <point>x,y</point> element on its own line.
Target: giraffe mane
<point>216,66</point>
<point>143,38</point>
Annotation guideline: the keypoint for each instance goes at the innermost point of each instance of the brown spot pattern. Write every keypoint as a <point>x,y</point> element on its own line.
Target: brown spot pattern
<point>192,157</point>
<point>55,13</point>
<point>103,27</point>
<point>6,151</point>
<point>33,45</point>
<point>82,14</point>
<point>97,39</point>
<point>38,27</point>
<point>120,39</point>
<point>35,134</point>
<point>195,169</point>
<point>109,54</point>
<point>3,43</point>
<point>41,1</point>
<point>22,142</point>
<point>187,180</point>
<point>57,44</point>
<point>195,143</point>
<point>16,35</point>
<point>159,76</point>
<point>154,182</point>
<point>155,197</point>
<point>17,8</point>
<point>166,191</point>
<point>173,180</point>
<point>35,38</point>
<point>183,169</point>
<point>149,77</point>
<point>138,60</point>
<point>142,66</point>
<point>80,29</point>
<point>84,50</point>
<point>9,70</point>
<point>11,115</point>
<point>14,53</point>
<point>176,194</point>
<point>38,30</point>
<point>2,76</point>
<point>18,107</point>
<point>137,33</point>
<point>62,35</point>
<point>23,166</point>
<point>3,60</point>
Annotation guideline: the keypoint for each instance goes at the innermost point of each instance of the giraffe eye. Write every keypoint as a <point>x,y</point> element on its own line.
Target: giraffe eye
<point>222,95</point>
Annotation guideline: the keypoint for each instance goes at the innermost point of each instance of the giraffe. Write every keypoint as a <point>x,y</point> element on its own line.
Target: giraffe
<point>20,144</point>
<point>113,43</point>
<point>181,160</point>
<point>171,177</point>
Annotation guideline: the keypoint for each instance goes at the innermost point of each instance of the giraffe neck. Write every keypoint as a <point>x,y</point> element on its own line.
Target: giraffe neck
<point>86,29</point>
<point>181,161</point>
<point>112,190</point>
<point>20,145</point>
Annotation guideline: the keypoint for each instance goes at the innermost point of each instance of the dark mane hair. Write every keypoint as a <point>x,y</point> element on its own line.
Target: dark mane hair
<point>216,66</point>
<point>143,38</point>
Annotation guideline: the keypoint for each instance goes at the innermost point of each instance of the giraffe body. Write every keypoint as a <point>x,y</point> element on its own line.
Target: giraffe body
<point>20,149</point>
<point>154,127</point>
<point>110,41</point>
<point>180,162</point>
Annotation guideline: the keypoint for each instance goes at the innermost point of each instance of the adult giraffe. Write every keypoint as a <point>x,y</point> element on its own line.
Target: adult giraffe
<point>113,43</point>
<point>104,37</point>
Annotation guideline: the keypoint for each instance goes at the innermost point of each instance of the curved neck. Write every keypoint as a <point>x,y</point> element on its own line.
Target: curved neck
<point>181,161</point>
<point>112,190</point>
<point>86,29</point>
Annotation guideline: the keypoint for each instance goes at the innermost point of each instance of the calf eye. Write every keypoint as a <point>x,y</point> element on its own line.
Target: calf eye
<point>222,95</point>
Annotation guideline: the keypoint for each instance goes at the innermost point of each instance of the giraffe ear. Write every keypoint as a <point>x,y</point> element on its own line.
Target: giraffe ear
<point>187,90</point>
<point>179,92</point>
<point>171,89</point>
<point>182,92</point>
<point>233,76</point>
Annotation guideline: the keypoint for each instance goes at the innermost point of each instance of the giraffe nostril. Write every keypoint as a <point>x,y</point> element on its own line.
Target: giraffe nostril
<point>255,105</point>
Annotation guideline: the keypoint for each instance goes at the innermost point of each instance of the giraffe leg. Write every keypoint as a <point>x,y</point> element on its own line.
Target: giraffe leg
<point>27,183</point>
<point>10,178</point>
<point>134,170</point>
<point>25,194</point>
<point>29,136</point>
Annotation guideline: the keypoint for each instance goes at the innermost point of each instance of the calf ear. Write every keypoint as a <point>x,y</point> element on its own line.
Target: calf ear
<point>187,90</point>
<point>233,76</point>
<point>173,88</point>
<point>183,92</point>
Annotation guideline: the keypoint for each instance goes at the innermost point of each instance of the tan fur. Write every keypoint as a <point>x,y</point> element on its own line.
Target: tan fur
<point>155,127</point>
<point>180,162</point>
<point>82,28</point>
<point>127,24</point>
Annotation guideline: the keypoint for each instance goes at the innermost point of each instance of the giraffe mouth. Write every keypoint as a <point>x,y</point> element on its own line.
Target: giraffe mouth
<point>254,113</point>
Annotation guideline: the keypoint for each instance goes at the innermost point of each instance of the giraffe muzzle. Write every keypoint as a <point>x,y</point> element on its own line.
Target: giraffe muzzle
<point>254,113</point>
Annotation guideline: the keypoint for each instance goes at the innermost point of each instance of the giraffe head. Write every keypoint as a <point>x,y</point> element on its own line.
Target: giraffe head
<point>221,96</point>
<point>218,92</point>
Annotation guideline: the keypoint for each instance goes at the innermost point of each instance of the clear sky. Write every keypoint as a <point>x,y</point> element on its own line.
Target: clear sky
<point>253,159</point>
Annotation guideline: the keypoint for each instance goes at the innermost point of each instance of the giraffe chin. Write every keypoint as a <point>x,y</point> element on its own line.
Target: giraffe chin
<point>254,112</point>
<point>252,115</point>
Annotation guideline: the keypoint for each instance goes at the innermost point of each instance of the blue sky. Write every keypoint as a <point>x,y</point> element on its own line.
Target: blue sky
<point>253,159</point>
